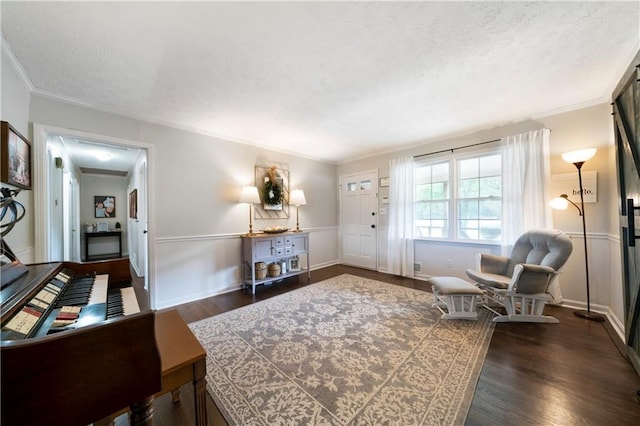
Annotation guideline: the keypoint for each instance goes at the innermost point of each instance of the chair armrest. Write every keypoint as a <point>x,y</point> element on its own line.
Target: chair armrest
<point>531,279</point>
<point>492,264</point>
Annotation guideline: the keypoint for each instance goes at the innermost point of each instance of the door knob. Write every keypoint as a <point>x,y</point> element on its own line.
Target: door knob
<point>373,226</point>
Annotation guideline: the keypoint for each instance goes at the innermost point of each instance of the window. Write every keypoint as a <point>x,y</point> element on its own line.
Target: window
<point>464,191</point>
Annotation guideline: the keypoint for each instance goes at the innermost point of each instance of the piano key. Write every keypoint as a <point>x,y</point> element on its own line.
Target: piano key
<point>129,301</point>
<point>99,291</point>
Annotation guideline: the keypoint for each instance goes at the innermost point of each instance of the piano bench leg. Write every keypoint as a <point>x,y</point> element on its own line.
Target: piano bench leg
<point>175,396</point>
<point>142,413</point>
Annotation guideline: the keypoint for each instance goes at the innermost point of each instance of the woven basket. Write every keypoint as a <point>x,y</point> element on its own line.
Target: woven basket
<point>274,270</point>
<point>261,270</point>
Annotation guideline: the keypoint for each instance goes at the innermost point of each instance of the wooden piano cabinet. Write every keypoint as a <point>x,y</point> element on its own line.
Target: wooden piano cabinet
<point>79,376</point>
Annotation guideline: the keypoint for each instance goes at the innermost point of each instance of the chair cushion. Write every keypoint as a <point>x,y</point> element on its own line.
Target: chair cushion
<point>453,285</point>
<point>546,247</point>
<point>493,280</point>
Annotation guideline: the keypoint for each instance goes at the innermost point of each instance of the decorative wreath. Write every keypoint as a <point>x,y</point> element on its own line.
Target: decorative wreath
<point>272,191</point>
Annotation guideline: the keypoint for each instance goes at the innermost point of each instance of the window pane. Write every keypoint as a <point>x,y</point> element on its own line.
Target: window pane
<point>468,229</point>
<point>469,168</point>
<point>440,210</point>
<point>490,209</point>
<point>423,192</point>
<point>491,186</point>
<point>365,185</point>
<point>351,186</point>
<point>441,172</point>
<point>469,188</point>
<point>423,174</point>
<point>440,191</point>
<point>491,165</point>
<point>491,230</point>
<point>468,209</point>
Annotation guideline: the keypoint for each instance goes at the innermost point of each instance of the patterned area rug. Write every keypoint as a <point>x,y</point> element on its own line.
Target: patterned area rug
<point>345,351</point>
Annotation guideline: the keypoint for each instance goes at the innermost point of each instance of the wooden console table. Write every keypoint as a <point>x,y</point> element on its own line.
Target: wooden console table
<point>89,235</point>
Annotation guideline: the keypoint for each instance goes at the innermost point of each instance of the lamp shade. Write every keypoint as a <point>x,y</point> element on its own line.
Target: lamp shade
<point>249,195</point>
<point>579,156</point>
<point>559,203</point>
<point>297,198</point>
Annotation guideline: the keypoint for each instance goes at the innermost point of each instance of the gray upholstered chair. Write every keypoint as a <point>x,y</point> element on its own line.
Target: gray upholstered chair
<point>520,282</point>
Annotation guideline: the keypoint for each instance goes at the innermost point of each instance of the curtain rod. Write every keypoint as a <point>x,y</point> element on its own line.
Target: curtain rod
<point>453,149</point>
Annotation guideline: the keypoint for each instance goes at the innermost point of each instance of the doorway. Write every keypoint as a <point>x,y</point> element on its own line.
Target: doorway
<point>359,219</point>
<point>60,232</point>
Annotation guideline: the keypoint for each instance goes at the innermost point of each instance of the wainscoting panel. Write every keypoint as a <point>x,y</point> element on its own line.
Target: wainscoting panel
<point>195,267</point>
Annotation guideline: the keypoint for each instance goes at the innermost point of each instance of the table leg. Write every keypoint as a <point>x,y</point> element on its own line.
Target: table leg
<point>200,392</point>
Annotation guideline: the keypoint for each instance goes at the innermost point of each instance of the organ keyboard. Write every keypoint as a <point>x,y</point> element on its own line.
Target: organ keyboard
<point>77,329</point>
<point>48,311</point>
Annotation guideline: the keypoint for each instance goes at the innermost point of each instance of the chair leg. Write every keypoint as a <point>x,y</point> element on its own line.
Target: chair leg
<point>519,307</point>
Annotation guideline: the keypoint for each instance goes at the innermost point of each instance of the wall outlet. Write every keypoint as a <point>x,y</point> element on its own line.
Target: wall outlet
<point>417,267</point>
<point>450,263</point>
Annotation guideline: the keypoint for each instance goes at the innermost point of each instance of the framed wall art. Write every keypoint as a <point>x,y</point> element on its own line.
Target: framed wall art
<point>15,151</point>
<point>105,205</point>
<point>133,204</point>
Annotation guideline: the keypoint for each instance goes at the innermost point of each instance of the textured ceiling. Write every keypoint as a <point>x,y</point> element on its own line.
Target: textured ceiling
<point>327,80</point>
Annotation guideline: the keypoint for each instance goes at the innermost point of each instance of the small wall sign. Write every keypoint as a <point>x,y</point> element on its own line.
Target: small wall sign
<point>568,183</point>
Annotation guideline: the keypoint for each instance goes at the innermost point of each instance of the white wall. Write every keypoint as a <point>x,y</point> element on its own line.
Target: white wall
<point>583,128</point>
<point>14,109</point>
<point>195,220</point>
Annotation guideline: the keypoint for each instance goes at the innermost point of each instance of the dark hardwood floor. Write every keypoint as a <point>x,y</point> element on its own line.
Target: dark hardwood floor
<point>572,373</point>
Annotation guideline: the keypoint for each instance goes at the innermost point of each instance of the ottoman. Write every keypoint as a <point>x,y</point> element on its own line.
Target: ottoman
<point>457,295</point>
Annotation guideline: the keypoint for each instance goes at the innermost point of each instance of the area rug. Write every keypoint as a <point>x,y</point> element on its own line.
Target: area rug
<point>345,351</point>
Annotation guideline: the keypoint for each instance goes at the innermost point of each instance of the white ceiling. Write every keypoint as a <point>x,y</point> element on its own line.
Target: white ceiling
<point>327,80</point>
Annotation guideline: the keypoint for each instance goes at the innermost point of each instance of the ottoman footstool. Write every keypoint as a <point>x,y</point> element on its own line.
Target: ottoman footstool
<point>457,295</point>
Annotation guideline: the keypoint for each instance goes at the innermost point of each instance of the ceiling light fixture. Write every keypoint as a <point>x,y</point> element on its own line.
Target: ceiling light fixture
<point>103,155</point>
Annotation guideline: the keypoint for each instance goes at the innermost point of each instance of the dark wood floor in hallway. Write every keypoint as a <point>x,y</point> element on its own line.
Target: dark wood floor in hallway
<point>571,373</point>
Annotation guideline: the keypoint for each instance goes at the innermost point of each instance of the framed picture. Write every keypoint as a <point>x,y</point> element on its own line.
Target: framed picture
<point>105,205</point>
<point>103,226</point>
<point>293,264</point>
<point>133,204</point>
<point>15,151</point>
<point>384,181</point>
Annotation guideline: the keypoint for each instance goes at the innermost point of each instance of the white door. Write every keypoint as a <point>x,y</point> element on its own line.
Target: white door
<point>359,219</point>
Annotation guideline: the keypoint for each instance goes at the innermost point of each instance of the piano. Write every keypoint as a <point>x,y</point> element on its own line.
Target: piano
<point>75,347</point>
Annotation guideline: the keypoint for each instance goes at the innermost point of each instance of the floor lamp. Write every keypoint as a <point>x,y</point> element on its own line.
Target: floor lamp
<point>250,196</point>
<point>297,199</point>
<point>578,158</point>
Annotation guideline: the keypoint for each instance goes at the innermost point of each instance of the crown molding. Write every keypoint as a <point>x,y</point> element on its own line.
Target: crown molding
<point>7,53</point>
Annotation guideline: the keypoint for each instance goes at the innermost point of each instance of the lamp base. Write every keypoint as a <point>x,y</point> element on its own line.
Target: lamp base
<point>296,230</point>
<point>592,316</point>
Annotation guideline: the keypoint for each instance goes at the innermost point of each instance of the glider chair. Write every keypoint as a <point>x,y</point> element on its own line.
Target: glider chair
<point>519,283</point>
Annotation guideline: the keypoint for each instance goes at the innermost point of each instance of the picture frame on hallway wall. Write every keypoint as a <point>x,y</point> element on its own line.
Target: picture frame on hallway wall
<point>133,204</point>
<point>15,151</point>
<point>105,205</point>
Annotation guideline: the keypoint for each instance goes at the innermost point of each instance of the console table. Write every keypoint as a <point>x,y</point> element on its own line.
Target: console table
<point>89,235</point>
<point>273,248</point>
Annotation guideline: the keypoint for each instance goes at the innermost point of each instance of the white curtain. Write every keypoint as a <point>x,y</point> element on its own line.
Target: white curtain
<point>400,246</point>
<point>526,178</point>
